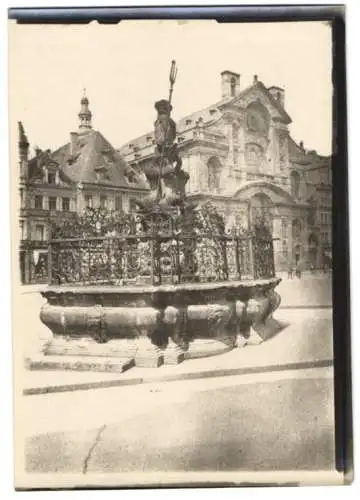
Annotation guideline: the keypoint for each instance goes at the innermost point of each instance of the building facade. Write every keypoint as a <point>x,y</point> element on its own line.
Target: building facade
<point>241,157</point>
<point>85,172</point>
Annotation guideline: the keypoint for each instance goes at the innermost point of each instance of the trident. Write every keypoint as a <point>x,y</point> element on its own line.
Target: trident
<point>172,79</point>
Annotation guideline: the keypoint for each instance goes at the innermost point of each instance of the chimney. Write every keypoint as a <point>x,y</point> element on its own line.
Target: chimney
<point>255,80</point>
<point>230,84</point>
<point>301,144</point>
<point>278,94</point>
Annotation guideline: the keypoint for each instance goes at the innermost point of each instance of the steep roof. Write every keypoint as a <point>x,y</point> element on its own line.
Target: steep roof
<point>92,159</point>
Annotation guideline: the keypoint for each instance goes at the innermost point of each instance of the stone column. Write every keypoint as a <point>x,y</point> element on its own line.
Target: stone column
<point>274,147</point>
<point>230,160</point>
<point>241,139</point>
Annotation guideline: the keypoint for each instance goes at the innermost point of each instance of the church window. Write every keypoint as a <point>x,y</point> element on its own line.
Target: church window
<point>214,173</point>
<point>253,154</point>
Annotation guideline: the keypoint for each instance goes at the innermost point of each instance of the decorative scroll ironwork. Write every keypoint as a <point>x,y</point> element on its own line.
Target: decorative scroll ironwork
<point>161,247</point>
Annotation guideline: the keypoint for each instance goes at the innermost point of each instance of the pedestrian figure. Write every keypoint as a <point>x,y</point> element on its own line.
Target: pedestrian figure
<point>290,272</point>
<point>298,271</point>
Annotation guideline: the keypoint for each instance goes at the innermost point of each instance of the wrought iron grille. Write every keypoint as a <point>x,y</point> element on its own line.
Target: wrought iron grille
<point>158,249</point>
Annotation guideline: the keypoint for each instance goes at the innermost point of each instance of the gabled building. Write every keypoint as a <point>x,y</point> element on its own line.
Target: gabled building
<point>85,172</point>
<point>241,157</point>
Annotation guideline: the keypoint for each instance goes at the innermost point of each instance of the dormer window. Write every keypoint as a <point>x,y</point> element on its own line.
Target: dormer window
<point>51,178</point>
<point>212,111</point>
<point>102,175</point>
<point>188,122</point>
<point>131,177</point>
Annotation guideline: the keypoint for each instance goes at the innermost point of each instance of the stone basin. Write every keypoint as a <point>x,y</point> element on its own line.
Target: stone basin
<point>152,325</point>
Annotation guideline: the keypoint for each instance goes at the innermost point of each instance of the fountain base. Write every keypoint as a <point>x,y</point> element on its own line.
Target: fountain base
<point>107,328</point>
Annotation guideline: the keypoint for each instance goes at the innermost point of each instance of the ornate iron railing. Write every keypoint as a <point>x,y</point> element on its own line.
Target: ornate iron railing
<point>157,249</point>
<point>159,259</point>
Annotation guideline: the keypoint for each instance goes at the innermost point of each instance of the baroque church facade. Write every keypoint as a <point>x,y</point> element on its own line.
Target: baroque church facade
<point>85,172</point>
<point>241,157</point>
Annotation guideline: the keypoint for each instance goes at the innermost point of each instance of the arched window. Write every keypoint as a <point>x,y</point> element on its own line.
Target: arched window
<point>232,86</point>
<point>214,173</point>
<point>295,184</point>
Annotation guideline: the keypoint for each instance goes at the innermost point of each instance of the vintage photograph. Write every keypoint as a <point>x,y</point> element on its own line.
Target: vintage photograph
<point>172,253</point>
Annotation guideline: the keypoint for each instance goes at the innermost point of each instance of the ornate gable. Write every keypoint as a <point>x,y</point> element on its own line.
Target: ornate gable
<point>257,95</point>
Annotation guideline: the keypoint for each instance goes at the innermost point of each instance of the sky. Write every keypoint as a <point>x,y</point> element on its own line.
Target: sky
<point>125,67</point>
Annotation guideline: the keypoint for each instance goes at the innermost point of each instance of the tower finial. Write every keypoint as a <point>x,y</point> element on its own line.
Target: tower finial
<point>85,113</point>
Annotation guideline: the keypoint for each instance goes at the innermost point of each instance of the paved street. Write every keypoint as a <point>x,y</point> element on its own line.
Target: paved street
<point>265,419</point>
<point>311,290</point>
<point>261,422</point>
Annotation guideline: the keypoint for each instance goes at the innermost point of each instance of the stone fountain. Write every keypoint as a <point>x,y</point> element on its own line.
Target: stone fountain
<point>157,286</point>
